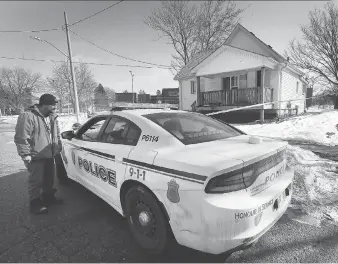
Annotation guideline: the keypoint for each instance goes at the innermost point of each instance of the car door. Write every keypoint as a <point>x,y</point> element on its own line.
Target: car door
<point>83,146</point>
<point>117,140</point>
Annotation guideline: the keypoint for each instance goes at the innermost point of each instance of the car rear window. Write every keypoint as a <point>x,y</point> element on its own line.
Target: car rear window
<point>193,128</point>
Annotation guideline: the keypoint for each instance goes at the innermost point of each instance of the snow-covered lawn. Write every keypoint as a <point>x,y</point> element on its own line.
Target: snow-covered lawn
<point>312,127</point>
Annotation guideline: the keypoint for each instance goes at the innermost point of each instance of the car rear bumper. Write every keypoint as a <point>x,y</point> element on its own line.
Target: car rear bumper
<point>235,221</point>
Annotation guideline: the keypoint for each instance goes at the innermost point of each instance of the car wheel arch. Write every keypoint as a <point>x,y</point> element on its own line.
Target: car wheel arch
<point>128,184</point>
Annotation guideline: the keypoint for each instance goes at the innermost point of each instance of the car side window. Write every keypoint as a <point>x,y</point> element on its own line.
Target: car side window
<point>133,135</point>
<point>91,133</point>
<point>121,131</point>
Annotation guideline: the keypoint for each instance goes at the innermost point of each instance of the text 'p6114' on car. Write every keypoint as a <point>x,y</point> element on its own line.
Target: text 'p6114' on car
<point>181,176</point>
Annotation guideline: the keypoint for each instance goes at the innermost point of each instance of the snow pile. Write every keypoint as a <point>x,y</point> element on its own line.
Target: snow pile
<point>317,128</point>
<point>317,108</point>
<point>316,179</point>
<point>315,184</point>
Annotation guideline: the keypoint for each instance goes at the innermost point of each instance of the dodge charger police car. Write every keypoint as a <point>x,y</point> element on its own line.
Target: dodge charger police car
<point>181,176</point>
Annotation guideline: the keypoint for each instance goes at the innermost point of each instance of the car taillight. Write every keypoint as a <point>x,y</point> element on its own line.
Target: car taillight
<point>228,182</point>
<point>243,178</point>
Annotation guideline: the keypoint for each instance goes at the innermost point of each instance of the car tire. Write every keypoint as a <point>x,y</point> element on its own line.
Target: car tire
<point>147,222</point>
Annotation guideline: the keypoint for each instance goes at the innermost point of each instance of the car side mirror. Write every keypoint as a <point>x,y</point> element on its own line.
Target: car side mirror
<point>68,134</point>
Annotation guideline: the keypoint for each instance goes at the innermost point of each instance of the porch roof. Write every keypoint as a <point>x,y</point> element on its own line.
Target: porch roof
<point>233,59</point>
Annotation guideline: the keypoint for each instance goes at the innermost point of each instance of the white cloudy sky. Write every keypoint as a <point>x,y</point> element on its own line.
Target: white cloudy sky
<point>121,30</point>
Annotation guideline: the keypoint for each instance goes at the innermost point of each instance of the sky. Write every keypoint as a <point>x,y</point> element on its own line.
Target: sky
<point>121,30</point>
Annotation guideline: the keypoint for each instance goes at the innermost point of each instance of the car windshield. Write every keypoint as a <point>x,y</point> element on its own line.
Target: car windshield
<point>193,128</point>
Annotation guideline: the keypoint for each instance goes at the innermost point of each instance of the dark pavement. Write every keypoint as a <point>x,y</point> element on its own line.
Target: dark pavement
<point>86,229</point>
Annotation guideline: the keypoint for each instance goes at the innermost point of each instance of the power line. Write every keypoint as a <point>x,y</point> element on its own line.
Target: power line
<point>90,63</point>
<point>29,31</point>
<point>55,29</point>
<point>115,54</point>
<point>95,14</point>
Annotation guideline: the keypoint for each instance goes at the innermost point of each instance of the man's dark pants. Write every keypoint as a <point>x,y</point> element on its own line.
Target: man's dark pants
<point>41,177</point>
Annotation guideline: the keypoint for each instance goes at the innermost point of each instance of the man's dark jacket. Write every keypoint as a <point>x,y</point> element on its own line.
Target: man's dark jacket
<point>32,137</point>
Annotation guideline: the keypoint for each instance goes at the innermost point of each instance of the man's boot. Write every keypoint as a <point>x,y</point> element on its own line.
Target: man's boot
<point>36,207</point>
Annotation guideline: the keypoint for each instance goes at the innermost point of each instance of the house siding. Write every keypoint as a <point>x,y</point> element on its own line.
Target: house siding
<point>289,91</point>
<point>186,98</point>
<point>243,41</point>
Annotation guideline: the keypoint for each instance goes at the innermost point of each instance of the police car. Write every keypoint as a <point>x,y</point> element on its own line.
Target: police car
<point>181,177</point>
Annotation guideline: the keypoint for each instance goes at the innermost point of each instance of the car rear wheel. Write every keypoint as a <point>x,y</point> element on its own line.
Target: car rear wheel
<point>146,221</point>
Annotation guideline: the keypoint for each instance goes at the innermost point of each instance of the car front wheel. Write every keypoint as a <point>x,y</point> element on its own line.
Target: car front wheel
<point>146,221</point>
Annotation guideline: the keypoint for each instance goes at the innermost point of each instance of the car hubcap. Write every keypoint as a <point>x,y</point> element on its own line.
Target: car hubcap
<point>144,218</point>
<point>145,225</point>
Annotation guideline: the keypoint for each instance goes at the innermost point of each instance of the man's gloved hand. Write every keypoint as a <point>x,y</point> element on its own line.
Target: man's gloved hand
<point>27,159</point>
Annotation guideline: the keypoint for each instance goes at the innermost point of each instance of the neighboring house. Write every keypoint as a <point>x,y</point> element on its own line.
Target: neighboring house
<point>167,96</point>
<point>143,98</point>
<point>238,74</point>
<point>126,97</point>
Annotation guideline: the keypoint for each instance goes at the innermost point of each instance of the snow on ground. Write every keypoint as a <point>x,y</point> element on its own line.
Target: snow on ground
<point>65,121</point>
<point>315,183</point>
<point>9,119</point>
<point>316,179</point>
<point>312,127</point>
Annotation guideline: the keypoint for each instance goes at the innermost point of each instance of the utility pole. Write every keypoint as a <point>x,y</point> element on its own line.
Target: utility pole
<point>77,110</point>
<point>132,84</point>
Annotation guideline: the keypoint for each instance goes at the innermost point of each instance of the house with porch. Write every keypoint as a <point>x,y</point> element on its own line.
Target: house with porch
<point>244,71</point>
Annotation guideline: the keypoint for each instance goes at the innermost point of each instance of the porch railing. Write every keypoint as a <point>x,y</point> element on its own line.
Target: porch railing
<point>236,97</point>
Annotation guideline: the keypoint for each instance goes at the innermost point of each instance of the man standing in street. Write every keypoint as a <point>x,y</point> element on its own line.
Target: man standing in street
<point>38,141</point>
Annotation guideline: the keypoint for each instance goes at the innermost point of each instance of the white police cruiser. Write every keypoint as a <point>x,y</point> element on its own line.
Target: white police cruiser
<point>181,176</point>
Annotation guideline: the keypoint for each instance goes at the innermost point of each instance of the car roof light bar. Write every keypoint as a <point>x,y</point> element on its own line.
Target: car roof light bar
<point>133,106</point>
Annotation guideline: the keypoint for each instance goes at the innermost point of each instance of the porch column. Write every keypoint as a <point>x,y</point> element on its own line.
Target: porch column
<point>262,93</point>
<point>199,97</point>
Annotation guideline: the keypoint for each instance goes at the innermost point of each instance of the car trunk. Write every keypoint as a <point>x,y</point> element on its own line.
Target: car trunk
<point>254,161</point>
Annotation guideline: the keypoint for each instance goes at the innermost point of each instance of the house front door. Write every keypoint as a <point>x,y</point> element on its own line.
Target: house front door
<point>226,89</point>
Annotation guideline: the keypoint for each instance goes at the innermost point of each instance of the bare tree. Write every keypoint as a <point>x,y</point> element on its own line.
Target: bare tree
<point>17,86</point>
<point>61,83</point>
<point>215,21</point>
<point>317,54</point>
<point>85,85</point>
<point>110,93</point>
<point>192,30</point>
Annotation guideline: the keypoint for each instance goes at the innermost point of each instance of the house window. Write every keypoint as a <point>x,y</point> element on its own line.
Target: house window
<point>192,87</point>
<point>297,86</point>
<point>234,82</point>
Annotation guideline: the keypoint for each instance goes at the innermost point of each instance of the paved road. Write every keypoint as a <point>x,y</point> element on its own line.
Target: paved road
<point>86,229</point>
